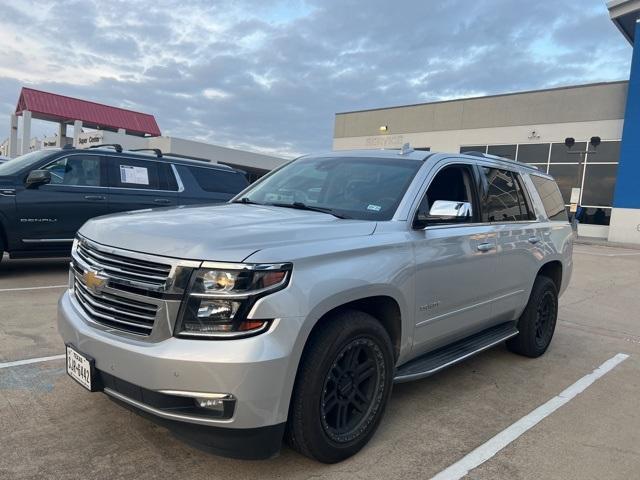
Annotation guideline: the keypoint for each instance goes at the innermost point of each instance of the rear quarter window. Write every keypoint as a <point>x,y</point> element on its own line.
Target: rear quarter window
<point>219,181</point>
<point>551,198</point>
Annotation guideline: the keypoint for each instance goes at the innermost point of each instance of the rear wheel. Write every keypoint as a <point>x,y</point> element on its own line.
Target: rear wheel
<point>538,321</point>
<point>342,387</point>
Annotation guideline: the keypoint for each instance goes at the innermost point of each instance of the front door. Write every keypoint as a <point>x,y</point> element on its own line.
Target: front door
<point>50,215</point>
<point>455,263</point>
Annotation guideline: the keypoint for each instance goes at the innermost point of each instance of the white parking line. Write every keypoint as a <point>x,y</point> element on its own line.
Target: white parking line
<point>21,289</point>
<point>598,254</point>
<point>31,360</point>
<point>487,450</point>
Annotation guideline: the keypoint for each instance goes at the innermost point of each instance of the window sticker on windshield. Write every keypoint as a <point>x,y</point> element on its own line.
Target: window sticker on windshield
<point>135,175</point>
<point>375,208</point>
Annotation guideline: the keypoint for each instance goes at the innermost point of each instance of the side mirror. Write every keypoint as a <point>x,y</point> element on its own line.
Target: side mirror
<point>443,211</point>
<point>37,178</point>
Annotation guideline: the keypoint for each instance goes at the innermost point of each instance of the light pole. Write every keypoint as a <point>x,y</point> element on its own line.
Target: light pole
<point>569,143</point>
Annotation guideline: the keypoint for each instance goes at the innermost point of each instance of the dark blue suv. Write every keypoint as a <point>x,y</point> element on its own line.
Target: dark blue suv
<point>45,196</point>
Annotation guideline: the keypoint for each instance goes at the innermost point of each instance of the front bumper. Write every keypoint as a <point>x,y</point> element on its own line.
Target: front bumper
<point>258,371</point>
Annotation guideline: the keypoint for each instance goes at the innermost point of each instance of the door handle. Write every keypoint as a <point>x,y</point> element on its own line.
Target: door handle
<point>534,240</point>
<point>162,200</point>
<point>485,247</point>
<point>94,197</point>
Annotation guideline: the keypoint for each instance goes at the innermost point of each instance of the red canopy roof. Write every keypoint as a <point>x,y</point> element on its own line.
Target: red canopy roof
<point>60,108</point>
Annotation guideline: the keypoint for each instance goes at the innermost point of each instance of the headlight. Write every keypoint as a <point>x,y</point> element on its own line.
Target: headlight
<point>221,295</point>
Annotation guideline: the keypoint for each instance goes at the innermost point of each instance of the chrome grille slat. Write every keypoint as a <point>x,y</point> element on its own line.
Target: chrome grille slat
<point>97,315</point>
<point>108,260</point>
<point>151,279</point>
<point>124,268</point>
<point>97,302</point>
<point>125,302</point>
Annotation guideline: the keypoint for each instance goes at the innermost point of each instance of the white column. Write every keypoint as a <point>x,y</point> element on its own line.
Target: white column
<point>13,136</point>
<point>77,130</point>
<point>62,134</point>
<point>26,131</point>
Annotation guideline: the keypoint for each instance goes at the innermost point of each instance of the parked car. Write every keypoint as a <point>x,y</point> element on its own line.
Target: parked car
<point>291,310</point>
<point>46,195</point>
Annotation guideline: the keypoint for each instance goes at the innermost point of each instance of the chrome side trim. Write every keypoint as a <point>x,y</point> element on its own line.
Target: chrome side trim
<point>182,393</point>
<point>7,192</point>
<point>164,414</point>
<point>469,307</point>
<point>47,240</point>
<point>426,373</point>
<point>178,178</point>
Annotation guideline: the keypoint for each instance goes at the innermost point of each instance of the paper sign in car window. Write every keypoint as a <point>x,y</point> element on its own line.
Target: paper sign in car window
<point>134,175</point>
<point>375,208</point>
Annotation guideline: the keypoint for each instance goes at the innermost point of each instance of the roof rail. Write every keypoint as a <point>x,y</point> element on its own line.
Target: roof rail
<point>157,151</point>
<point>116,146</point>
<point>474,153</point>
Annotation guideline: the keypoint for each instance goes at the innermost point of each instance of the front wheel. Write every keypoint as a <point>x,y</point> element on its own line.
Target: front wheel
<point>342,387</point>
<point>538,321</point>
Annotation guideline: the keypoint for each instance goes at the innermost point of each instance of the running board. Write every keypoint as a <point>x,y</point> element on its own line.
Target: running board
<point>444,357</point>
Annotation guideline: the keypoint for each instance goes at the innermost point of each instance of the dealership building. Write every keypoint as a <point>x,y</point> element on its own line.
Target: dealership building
<point>531,127</point>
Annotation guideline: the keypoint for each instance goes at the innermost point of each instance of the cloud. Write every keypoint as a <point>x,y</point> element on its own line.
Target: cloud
<point>269,76</point>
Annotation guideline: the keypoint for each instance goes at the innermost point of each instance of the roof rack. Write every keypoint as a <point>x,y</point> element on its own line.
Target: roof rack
<point>157,151</point>
<point>116,146</point>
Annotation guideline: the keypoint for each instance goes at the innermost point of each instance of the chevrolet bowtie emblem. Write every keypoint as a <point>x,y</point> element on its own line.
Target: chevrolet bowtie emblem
<point>94,281</point>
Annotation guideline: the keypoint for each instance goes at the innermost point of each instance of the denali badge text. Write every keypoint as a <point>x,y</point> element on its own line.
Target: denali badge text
<point>38,220</point>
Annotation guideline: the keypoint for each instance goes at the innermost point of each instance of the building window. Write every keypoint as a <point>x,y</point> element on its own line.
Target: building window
<point>505,151</point>
<point>599,182</point>
<point>560,153</point>
<point>536,153</point>
<point>566,177</point>
<point>474,148</point>
<point>596,216</point>
<point>608,152</point>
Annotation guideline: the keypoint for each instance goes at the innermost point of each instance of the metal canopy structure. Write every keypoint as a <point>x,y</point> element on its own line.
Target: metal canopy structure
<point>624,14</point>
<point>63,109</point>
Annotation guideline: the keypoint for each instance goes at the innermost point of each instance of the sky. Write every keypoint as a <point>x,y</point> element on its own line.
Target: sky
<point>269,76</point>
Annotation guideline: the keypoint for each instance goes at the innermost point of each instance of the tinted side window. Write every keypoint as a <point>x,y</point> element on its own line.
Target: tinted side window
<point>219,181</point>
<point>134,173</point>
<point>450,198</point>
<point>525,202</point>
<point>502,201</point>
<point>79,170</point>
<point>551,198</point>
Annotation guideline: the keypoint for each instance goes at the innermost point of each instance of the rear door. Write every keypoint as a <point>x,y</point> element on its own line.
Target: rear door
<point>209,185</point>
<point>507,207</point>
<point>138,184</point>
<point>50,215</point>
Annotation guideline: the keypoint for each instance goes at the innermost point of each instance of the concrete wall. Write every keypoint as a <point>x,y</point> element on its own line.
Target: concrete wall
<point>183,148</point>
<point>587,103</point>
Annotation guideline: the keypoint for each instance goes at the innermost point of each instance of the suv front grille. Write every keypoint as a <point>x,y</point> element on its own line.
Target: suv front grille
<point>114,310</point>
<point>138,272</point>
<point>126,291</point>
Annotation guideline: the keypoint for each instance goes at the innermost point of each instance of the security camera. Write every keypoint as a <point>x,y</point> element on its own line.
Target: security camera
<point>595,141</point>
<point>569,142</point>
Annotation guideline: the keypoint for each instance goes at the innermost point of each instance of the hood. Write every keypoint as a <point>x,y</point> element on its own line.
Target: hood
<point>228,232</point>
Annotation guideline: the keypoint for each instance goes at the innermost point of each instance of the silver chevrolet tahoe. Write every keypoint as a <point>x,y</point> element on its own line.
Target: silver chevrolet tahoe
<point>289,312</point>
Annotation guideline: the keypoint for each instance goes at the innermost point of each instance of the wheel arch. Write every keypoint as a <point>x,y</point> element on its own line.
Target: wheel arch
<point>552,270</point>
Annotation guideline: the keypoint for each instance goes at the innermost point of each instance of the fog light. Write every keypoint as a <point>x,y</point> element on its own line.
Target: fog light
<point>212,403</point>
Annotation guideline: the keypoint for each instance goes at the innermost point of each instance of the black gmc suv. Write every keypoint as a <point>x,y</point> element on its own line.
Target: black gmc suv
<point>46,195</point>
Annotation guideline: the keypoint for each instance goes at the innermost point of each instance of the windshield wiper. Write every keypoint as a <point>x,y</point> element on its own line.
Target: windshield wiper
<point>304,206</point>
<point>247,201</point>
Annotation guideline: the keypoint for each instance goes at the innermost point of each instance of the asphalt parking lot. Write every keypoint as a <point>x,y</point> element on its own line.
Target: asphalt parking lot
<point>51,428</point>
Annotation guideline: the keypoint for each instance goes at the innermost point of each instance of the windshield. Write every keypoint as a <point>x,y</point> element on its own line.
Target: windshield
<point>22,162</point>
<point>360,188</point>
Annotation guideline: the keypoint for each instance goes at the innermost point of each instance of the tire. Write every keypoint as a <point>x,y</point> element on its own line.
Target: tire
<point>538,321</point>
<point>342,387</point>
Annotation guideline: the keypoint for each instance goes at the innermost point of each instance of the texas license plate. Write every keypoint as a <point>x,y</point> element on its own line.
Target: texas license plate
<point>80,368</point>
